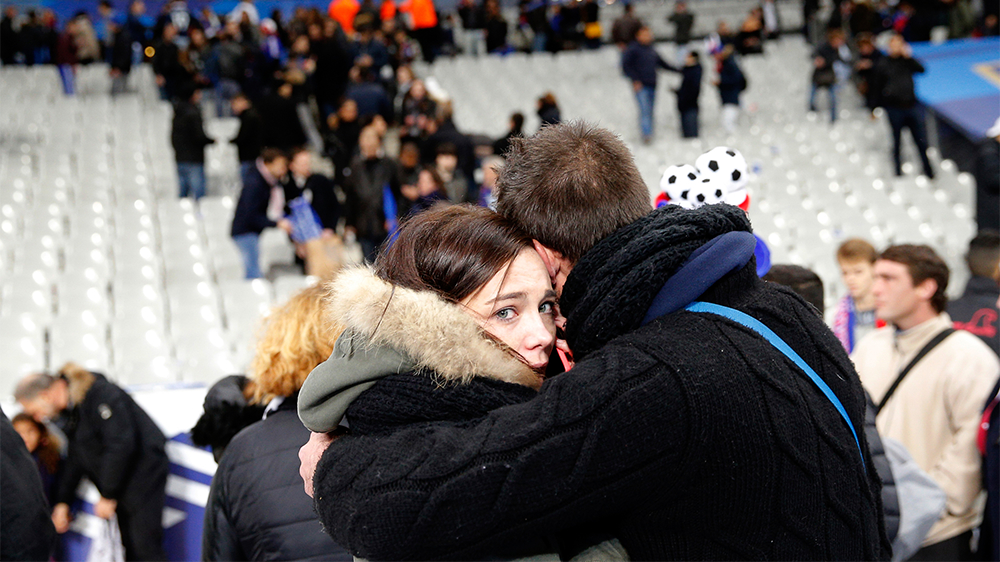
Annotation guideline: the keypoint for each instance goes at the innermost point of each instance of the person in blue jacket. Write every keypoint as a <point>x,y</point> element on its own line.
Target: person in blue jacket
<point>640,62</point>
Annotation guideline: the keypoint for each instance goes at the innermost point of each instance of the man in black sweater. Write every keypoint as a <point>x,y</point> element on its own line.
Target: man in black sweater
<point>682,433</point>
<point>894,90</point>
<point>114,443</point>
<point>187,135</point>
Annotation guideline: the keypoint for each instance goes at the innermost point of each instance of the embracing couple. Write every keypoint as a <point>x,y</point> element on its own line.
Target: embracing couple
<point>708,415</point>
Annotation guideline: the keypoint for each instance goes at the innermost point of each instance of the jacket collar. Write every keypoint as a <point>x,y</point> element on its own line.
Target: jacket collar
<point>910,341</point>
<point>78,381</point>
<point>982,286</point>
<point>436,335</point>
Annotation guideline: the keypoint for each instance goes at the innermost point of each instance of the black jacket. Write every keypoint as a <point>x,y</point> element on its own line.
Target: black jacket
<point>113,442</point>
<point>688,438</point>
<point>640,62</point>
<point>324,199</point>
<point>257,508</point>
<point>732,81</point>
<point>121,51</point>
<point>250,139</point>
<point>690,89</point>
<point>987,172</point>
<point>976,311</point>
<point>188,134</point>
<point>28,533</point>
<point>251,209</point>
<point>892,82</point>
<point>364,191</point>
<point>683,22</point>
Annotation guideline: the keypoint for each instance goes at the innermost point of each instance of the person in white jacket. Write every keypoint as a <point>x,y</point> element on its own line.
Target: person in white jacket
<point>934,410</point>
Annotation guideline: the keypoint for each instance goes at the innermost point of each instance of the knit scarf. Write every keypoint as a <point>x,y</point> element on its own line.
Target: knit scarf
<point>611,288</point>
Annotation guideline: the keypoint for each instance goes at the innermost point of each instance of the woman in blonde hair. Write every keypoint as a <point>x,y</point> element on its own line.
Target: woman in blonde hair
<point>257,509</point>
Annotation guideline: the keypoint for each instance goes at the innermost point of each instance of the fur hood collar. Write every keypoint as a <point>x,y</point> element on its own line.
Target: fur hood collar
<point>435,334</point>
<point>78,381</point>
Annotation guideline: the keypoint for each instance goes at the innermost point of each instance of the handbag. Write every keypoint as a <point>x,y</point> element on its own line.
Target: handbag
<point>825,77</point>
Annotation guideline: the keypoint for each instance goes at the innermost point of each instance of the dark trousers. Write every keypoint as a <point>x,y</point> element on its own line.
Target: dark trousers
<point>689,123</point>
<point>140,517</point>
<point>955,548</point>
<point>370,247</point>
<point>911,118</point>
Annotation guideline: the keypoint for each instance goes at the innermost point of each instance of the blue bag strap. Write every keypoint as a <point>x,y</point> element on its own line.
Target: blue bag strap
<point>777,342</point>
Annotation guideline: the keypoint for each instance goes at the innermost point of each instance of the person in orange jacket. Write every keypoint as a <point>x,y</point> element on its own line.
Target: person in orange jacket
<point>423,25</point>
<point>343,11</point>
<point>387,10</point>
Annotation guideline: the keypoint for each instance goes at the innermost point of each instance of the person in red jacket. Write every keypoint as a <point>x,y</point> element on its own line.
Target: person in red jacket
<point>343,11</point>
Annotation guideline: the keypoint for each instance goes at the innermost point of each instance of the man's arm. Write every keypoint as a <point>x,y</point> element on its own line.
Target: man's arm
<point>958,470</point>
<point>558,461</point>
<point>120,440</point>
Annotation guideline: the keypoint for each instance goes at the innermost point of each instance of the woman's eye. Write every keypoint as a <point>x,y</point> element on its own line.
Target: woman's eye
<point>547,308</point>
<point>504,314</point>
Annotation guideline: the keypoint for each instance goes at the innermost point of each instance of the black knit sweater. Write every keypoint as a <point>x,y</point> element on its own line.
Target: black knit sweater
<point>688,438</point>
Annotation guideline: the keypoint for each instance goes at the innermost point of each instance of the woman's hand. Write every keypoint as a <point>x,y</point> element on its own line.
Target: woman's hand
<point>309,455</point>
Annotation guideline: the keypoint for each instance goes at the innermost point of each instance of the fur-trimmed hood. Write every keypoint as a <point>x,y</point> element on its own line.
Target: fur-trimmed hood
<point>78,382</point>
<point>391,330</point>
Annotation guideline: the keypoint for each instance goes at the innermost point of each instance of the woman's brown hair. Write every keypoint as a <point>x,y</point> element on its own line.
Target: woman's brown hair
<point>48,449</point>
<point>452,250</point>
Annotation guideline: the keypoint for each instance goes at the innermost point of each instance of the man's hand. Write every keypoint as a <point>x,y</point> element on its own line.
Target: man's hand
<point>309,455</point>
<point>160,80</point>
<point>329,234</point>
<point>636,85</point>
<point>60,517</point>
<point>105,508</point>
<point>286,225</point>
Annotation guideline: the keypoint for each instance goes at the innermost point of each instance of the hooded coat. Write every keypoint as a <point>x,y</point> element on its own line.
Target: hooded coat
<point>687,437</point>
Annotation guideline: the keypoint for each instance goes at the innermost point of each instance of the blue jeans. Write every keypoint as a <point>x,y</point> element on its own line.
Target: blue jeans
<point>689,123</point>
<point>832,92</point>
<point>249,245</point>
<point>646,96</point>
<point>191,176</point>
<point>913,119</point>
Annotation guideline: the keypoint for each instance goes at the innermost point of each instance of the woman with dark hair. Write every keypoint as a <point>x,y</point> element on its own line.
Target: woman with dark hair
<point>44,448</point>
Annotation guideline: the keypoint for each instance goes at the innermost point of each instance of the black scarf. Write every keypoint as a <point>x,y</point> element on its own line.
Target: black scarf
<point>612,286</point>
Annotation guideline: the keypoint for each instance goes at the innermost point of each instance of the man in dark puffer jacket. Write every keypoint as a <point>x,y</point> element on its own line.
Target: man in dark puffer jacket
<point>685,435</point>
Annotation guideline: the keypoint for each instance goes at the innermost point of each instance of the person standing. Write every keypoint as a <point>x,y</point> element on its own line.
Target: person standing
<point>624,28</point>
<point>187,135</point>
<point>928,382</point>
<point>640,63</point>
<point>688,93</point>
<point>257,508</point>
<point>260,206</point>
<point>65,57</point>
<point>639,440</point>
<point>8,36</point>
<point>371,180</point>
<point>826,57</point>
<point>976,310</point>
<point>27,528</point>
<point>249,140</point>
<point>683,21</point>
<point>987,173</point>
<point>855,313</point>
<point>114,443</point>
<point>894,91</point>
<point>731,84</point>
<point>120,55</point>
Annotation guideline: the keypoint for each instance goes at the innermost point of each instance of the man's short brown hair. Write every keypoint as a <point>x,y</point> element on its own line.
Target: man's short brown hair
<point>923,263</point>
<point>855,250</point>
<point>571,185</point>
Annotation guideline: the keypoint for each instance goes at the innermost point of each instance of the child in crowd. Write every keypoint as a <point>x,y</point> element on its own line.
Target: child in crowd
<point>855,314</point>
<point>44,448</point>
<point>687,95</point>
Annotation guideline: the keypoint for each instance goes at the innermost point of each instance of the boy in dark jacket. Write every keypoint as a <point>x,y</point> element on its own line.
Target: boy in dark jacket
<point>687,95</point>
<point>251,216</point>
<point>114,443</point>
<point>731,84</point>
<point>189,140</point>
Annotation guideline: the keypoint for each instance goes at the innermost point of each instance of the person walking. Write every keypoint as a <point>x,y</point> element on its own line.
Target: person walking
<point>826,59</point>
<point>688,93</point>
<point>640,63</point>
